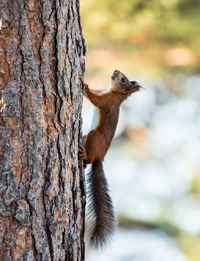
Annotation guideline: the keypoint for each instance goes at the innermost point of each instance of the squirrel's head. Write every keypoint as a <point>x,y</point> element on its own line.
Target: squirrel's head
<point>121,84</point>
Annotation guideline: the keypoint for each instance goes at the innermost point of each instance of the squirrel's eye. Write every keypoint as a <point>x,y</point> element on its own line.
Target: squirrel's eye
<point>123,80</point>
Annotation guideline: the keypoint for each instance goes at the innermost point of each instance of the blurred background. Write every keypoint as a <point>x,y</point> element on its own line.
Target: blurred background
<point>153,165</point>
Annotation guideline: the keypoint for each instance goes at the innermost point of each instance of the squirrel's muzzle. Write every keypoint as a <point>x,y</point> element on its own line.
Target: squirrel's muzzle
<point>115,74</point>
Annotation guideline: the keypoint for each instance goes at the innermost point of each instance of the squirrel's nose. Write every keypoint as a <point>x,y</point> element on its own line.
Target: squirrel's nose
<point>114,74</point>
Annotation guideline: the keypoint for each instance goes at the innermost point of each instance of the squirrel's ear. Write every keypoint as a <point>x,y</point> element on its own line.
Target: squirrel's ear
<point>133,82</point>
<point>135,86</point>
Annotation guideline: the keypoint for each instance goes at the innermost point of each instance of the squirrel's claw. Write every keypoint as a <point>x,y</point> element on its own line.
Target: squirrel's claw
<point>85,85</point>
<point>83,156</point>
<point>83,153</point>
<point>85,88</point>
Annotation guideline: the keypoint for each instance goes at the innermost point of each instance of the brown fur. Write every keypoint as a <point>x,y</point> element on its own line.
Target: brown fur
<point>96,144</point>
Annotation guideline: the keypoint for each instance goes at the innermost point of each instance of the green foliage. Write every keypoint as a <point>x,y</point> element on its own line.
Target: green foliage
<point>195,185</point>
<point>142,24</point>
<point>190,246</point>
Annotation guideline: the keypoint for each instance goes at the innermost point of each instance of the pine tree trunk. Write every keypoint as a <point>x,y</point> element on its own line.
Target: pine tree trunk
<point>42,193</point>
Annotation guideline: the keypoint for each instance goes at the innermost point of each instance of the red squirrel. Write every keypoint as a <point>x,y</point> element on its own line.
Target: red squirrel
<point>96,144</point>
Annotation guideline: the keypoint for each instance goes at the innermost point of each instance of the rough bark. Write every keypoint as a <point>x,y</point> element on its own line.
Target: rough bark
<point>42,193</point>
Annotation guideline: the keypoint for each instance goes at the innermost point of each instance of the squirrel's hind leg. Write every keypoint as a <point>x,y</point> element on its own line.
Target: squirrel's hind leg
<point>94,147</point>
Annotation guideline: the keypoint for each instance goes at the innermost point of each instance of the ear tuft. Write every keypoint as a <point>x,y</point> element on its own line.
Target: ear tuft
<point>133,82</point>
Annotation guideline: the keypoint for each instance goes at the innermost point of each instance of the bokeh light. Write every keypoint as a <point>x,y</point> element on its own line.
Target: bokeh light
<point>153,165</point>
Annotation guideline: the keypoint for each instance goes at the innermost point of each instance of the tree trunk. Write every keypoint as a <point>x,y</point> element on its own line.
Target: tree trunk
<point>42,190</point>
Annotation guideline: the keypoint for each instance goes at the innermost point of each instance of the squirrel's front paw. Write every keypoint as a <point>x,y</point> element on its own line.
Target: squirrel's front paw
<point>85,85</point>
<point>85,89</point>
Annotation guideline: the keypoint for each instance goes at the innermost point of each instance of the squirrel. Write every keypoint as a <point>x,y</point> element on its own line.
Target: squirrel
<point>95,145</point>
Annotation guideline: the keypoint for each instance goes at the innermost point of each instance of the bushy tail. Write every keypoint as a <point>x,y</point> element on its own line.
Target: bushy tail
<point>101,215</point>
